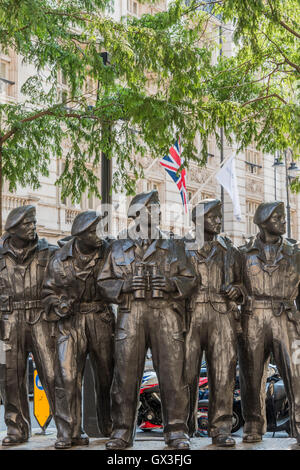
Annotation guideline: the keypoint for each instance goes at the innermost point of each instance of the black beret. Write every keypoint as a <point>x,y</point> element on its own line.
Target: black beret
<point>141,200</point>
<point>83,221</point>
<point>265,210</point>
<point>208,205</point>
<point>17,215</point>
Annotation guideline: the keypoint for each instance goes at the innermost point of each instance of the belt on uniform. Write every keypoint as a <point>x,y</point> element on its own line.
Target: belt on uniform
<point>277,305</point>
<point>204,296</point>
<point>89,307</point>
<point>267,303</point>
<point>26,304</point>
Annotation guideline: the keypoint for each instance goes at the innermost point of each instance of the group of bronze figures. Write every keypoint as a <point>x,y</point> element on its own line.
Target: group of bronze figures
<point>230,303</point>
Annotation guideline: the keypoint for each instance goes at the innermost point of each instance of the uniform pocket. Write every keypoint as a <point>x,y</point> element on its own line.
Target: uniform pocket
<point>4,303</point>
<point>253,269</point>
<point>5,328</point>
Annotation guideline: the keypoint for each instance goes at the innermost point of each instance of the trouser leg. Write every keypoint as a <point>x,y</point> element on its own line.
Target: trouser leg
<point>253,355</point>
<point>81,353</point>
<point>193,359</point>
<point>43,349</point>
<point>16,406</point>
<point>101,349</point>
<point>286,343</point>
<point>68,379</point>
<point>221,360</point>
<point>168,353</point>
<point>130,353</point>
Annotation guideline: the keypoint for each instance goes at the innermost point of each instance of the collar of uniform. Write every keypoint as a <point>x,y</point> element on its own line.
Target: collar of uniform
<point>3,245</point>
<point>255,243</point>
<point>288,247</point>
<point>7,248</point>
<point>219,240</point>
<point>67,249</point>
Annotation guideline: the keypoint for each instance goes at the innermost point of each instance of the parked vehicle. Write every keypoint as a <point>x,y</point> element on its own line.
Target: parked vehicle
<point>237,417</point>
<point>149,413</point>
<point>277,406</point>
<point>30,371</point>
<point>277,413</point>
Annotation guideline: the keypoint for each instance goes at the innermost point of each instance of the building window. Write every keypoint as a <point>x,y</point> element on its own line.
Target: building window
<point>253,161</point>
<point>62,88</point>
<point>190,195</point>
<point>132,7</point>
<point>90,201</point>
<point>251,227</point>
<point>207,196</point>
<point>5,77</point>
<point>8,75</point>
<point>211,147</point>
<point>294,224</point>
<point>158,186</point>
<point>3,74</point>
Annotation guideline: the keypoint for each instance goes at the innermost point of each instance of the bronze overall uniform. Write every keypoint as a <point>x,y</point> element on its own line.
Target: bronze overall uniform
<point>88,328</point>
<point>214,324</point>
<point>24,329</point>
<point>270,323</point>
<point>157,323</point>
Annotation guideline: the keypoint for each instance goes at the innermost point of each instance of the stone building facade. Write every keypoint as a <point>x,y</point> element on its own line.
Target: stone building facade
<point>258,180</point>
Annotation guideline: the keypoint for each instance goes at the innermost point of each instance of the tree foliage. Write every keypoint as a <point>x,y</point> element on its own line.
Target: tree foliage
<point>160,82</point>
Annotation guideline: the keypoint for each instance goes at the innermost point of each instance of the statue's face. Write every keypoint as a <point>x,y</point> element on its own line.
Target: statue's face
<point>213,220</point>
<point>89,237</point>
<point>149,217</point>
<point>275,225</point>
<point>26,229</point>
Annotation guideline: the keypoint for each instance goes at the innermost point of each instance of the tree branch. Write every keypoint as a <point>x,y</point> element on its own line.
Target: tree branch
<point>292,64</point>
<point>288,28</point>
<point>51,112</point>
<point>282,23</point>
<point>261,98</point>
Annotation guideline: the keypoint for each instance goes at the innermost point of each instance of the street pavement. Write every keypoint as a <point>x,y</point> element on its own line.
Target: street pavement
<point>144,440</point>
<point>152,442</point>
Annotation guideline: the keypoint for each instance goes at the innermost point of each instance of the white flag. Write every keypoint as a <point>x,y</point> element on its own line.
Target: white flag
<point>227,178</point>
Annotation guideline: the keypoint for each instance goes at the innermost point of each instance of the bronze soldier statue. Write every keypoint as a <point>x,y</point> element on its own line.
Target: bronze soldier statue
<point>149,278</point>
<point>270,319</point>
<point>214,321</point>
<point>86,326</point>
<point>24,329</point>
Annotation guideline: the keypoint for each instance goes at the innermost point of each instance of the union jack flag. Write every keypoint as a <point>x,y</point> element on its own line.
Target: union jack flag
<point>171,163</point>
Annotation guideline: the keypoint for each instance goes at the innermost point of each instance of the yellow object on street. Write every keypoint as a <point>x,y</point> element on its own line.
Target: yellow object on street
<point>41,408</point>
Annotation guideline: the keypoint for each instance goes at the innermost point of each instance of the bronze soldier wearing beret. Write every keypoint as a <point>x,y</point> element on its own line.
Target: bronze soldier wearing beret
<point>86,326</point>
<point>270,319</point>
<point>23,327</point>
<point>149,277</point>
<point>214,321</point>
